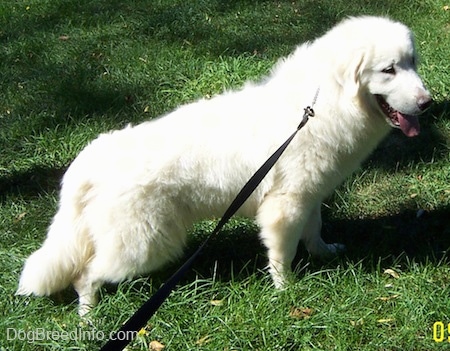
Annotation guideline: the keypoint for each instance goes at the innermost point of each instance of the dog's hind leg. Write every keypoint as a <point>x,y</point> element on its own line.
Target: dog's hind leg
<point>109,265</point>
<point>87,291</point>
<point>314,242</point>
<point>128,250</point>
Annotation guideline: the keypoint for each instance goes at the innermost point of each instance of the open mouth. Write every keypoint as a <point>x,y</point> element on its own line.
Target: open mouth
<point>408,124</point>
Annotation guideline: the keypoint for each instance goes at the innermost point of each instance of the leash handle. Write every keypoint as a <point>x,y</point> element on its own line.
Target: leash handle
<point>148,309</point>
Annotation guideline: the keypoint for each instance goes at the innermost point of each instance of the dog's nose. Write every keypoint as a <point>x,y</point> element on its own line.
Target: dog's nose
<point>424,101</point>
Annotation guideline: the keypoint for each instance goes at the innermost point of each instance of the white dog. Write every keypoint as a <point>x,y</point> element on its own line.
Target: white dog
<point>129,197</point>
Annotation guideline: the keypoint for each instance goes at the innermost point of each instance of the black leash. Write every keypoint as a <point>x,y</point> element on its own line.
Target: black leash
<point>138,320</point>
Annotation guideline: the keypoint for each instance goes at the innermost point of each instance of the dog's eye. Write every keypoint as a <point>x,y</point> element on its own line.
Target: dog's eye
<point>389,70</point>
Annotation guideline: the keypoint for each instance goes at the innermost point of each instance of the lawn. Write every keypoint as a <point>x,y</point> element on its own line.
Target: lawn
<point>70,70</point>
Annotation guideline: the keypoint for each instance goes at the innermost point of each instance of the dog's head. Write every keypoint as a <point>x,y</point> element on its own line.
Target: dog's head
<point>382,71</point>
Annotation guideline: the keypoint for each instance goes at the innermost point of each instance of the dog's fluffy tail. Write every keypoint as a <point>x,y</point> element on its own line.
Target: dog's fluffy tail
<point>65,252</point>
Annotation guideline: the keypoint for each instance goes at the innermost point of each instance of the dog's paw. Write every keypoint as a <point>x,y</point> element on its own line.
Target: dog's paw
<point>279,280</point>
<point>83,310</point>
<point>336,248</point>
<point>326,252</point>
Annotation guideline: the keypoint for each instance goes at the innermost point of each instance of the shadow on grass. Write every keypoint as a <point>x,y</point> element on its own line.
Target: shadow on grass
<point>31,183</point>
<point>236,254</point>
<point>417,235</point>
<point>78,94</point>
<point>217,26</point>
<point>67,84</point>
<point>247,26</point>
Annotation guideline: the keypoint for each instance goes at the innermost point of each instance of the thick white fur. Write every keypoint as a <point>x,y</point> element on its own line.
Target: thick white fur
<point>128,198</point>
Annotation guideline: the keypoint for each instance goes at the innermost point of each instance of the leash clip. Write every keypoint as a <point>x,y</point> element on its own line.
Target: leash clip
<point>309,112</point>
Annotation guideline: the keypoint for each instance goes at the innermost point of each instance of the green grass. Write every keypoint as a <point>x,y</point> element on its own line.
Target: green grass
<point>70,70</point>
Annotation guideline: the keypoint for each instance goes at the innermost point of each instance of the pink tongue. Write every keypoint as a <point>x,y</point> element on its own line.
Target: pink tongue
<point>409,124</point>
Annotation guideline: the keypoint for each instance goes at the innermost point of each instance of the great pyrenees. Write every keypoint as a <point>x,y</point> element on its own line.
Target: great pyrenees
<point>129,197</point>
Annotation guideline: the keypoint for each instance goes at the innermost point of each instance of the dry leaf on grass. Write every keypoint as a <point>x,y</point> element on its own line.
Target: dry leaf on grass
<point>19,217</point>
<point>216,302</point>
<point>387,298</point>
<point>203,340</point>
<point>392,273</point>
<point>357,323</point>
<point>300,313</point>
<point>156,346</point>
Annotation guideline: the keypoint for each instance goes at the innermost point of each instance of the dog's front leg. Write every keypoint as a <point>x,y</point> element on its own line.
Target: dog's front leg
<point>281,220</point>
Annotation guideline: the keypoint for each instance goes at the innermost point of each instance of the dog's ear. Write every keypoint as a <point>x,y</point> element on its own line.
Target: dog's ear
<point>349,72</point>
